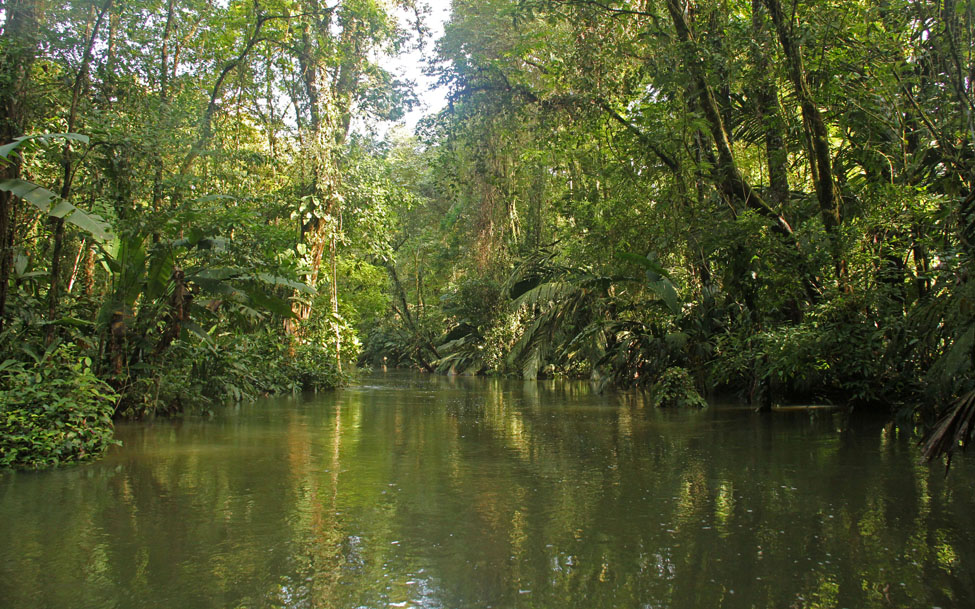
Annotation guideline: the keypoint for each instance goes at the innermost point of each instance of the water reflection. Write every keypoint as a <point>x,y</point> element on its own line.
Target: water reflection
<point>413,491</point>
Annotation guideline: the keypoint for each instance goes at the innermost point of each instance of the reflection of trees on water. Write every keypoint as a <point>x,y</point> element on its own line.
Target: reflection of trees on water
<point>454,492</point>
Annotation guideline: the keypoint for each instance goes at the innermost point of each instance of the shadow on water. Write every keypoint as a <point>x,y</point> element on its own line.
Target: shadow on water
<point>412,490</point>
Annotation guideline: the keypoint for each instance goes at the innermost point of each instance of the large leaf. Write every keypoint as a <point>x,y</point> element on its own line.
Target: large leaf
<point>653,268</point>
<point>269,303</point>
<point>160,273</point>
<point>531,365</point>
<point>53,205</point>
<point>284,281</point>
<point>658,280</point>
<point>210,276</point>
<point>200,239</point>
<point>534,343</point>
<point>215,274</point>
<point>69,321</point>
<point>542,294</point>
<point>29,140</point>
<point>665,291</point>
<point>217,286</point>
<point>524,285</point>
<point>129,266</point>
<point>191,327</point>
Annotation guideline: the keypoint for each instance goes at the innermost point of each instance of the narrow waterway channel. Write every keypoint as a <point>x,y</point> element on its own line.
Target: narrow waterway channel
<point>419,491</point>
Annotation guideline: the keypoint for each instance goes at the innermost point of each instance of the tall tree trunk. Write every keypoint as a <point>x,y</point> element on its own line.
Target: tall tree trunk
<point>815,126</point>
<point>163,117</point>
<point>715,39</point>
<point>959,75</point>
<point>731,181</point>
<point>17,55</point>
<point>89,276</point>
<point>767,102</point>
<point>329,121</point>
<point>67,165</point>
<point>320,204</point>
<point>205,127</point>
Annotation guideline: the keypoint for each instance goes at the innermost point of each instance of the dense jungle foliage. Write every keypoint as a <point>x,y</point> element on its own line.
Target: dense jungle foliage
<point>774,200</point>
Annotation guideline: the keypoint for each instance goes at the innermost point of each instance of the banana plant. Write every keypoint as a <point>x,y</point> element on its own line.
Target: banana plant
<point>46,201</point>
<point>155,287</point>
<point>658,280</point>
<point>154,284</point>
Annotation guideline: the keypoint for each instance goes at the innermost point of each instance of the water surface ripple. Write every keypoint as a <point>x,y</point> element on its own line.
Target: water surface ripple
<point>418,491</point>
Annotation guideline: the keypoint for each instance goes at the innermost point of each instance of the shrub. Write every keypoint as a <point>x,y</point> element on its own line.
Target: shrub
<point>675,389</point>
<point>54,411</point>
<point>313,368</point>
<point>838,352</point>
<point>194,375</point>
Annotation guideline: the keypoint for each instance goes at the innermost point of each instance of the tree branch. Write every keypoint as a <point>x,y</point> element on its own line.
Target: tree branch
<point>645,139</point>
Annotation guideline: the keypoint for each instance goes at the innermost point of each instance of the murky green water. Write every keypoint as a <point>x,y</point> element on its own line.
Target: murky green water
<point>459,492</point>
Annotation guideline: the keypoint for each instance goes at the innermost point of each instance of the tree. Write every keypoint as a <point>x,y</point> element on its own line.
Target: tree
<point>18,48</point>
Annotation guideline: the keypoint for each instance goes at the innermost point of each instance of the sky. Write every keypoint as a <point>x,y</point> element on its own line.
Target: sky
<point>410,65</point>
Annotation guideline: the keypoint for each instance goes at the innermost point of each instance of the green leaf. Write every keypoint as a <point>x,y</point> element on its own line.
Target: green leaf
<point>217,286</point>
<point>666,292</point>
<point>277,280</point>
<point>160,273</point>
<point>20,264</point>
<point>132,257</point>
<point>51,204</point>
<point>215,274</point>
<point>209,198</point>
<point>43,139</point>
<point>645,262</point>
<point>68,321</point>
<point>958,359</point>
<point>194,328</point>
<point>197,240</point>
<point>269,303</point>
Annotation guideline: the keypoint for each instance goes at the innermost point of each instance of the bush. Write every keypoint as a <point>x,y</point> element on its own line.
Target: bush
<point>196,374</point>
<point>837,352</point>
<point>675,389</point>
<point>313,368</point>
<point>53,412</point>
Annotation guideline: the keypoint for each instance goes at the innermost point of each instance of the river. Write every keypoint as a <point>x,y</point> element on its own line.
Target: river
<point>445,492</point>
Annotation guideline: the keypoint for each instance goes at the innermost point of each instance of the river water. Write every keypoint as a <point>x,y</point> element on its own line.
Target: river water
<point>418,491</point>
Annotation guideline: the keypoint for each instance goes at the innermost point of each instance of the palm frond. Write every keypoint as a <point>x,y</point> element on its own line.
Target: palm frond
<point>547,293</point>
<point>953,430</point>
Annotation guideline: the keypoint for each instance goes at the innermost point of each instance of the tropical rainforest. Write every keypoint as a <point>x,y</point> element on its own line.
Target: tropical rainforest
<point>768,200</point>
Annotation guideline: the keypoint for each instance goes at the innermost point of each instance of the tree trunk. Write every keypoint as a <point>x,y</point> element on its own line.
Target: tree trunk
<point>16,58</point>
<point>329,120</point>
<point>731,181</point>
<point>163,117</point>
<point>959,76</point>
<point>816,132</point>
<point>54,291</point>
<point>404,314</point>
<point>767,102</point>
<point>89,276</point>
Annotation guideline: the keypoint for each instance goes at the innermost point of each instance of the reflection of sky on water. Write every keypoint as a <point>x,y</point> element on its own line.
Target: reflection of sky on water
<point>456,492</point>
